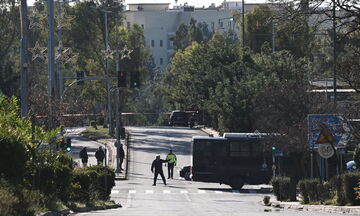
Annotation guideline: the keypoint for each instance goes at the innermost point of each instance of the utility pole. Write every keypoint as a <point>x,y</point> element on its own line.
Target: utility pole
<point>51,58</point>
<point>60,47</point>
<point>111,129</point>
<point>118,110</point>
<point>24,58</point>
<point>334,50</point>
<point>243,23</point>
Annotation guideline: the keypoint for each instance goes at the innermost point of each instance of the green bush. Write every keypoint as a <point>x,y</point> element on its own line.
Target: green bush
<point>8,200</point>
<point>281,188</point>
<point>313,190</point>
<point>336,185</point>
<point>53,174</point>
<point>350,181</point>
<point>89,184</point>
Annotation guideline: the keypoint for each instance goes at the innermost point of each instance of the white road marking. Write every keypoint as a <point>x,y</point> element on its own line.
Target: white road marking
<point>201,191</point>
<point>149,191</point>
<point>184,191</point>
<point>166,191</point>
<point>218,192</point>
<point>114,191</point>
<point>132,191</point>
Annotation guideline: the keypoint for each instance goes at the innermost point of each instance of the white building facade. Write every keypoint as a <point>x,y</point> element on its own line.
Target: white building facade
<point>161,23</point>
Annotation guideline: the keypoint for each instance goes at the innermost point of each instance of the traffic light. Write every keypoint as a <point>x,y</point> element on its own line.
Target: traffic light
<point>68,144</point>
<point>135,80</point>
<point>121,79</point>
<point>273,148</point>
<point>80,77</point>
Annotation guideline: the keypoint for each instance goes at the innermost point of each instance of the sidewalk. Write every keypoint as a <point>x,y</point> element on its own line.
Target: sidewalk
<point>111,148</point>
<point>210,131</point>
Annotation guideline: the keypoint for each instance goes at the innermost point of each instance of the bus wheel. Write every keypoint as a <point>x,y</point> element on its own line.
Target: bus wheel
<point>237,182</point>
<point>187,176</point>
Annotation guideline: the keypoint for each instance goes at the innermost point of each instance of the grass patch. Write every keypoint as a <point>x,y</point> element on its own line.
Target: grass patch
<point>96,134</point>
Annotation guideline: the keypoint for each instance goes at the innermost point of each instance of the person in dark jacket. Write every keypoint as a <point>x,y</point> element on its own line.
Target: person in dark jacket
<point>121,157</point>
<point>157,165</point>
<point>100,155</point>
<point>84,156</point>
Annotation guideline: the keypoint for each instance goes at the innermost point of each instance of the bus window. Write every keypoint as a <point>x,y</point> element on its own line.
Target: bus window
<point>239,149</point>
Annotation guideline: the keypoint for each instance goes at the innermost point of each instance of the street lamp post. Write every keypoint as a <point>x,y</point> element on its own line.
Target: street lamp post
<point>107,72</point>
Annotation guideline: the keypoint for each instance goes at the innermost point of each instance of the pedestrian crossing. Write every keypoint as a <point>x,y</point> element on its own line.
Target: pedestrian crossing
<point>167,191</point>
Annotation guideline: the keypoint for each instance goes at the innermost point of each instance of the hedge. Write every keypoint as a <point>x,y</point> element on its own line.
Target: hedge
<point>281,188</point>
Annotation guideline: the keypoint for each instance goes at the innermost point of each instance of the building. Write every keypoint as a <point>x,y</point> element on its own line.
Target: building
<point>160,23</point>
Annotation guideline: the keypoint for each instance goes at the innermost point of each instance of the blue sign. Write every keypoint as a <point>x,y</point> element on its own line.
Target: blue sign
<point>278,153</point>
<point>338,126</point>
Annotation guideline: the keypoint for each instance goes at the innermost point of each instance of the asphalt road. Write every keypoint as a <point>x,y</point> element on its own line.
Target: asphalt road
<point>179,197</point>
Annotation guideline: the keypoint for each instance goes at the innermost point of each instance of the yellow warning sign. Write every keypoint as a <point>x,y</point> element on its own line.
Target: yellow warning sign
<point>325,136</point>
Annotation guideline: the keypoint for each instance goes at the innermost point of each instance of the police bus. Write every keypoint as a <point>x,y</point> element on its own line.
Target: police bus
<point>233,159</point>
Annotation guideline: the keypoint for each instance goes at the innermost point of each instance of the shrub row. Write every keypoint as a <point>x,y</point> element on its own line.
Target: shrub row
<point>313,190</point>
<point>92,183</point>
<point>342,189</point>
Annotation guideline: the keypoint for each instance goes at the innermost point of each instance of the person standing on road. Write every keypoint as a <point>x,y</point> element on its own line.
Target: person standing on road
<point>121,157</point>
<point>171,158</point>
<point>157,165</point>
<point>100,155</point>
<point>84,156</point>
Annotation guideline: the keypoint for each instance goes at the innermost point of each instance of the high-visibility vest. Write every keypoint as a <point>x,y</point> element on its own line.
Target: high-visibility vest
<point>171,158</point>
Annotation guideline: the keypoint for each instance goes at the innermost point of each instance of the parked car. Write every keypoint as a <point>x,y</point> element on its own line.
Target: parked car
<point>351,166</point>
<point>178,117</point>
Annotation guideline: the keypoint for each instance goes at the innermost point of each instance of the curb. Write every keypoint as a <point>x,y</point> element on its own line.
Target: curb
<point>77,210</point>
<point>320,208</point>
<point>95,208</point>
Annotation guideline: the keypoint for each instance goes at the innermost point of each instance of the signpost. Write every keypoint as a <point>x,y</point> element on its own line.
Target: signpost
<point>326,133</point>
<point>339,127</point>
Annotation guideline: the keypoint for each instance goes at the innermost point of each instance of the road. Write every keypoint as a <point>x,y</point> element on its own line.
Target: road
<point>179,197</point>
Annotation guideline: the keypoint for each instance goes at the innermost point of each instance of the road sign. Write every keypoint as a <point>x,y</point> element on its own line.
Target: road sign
<point>325,136</point>
<point>326,150</point>
<point>278,153</point>
<point>339,127</point>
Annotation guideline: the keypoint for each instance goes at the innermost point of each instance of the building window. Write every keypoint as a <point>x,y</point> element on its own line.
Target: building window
<point>128,25</point>
<point>161,61</point>
<point>213,26</point>
<point>152,43</point>
<point>142,26</point>
<point>229,24</point>
<point>161,43</point>
<point>221,24</point>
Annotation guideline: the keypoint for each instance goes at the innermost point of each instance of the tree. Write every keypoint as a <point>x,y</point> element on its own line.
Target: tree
<point>347,15</point>
<point>9,55</point>
<point>194,32</point>
<point>294,35</point>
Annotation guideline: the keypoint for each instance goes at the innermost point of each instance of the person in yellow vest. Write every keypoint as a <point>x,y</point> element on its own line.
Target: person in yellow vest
<point>171,158</point>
